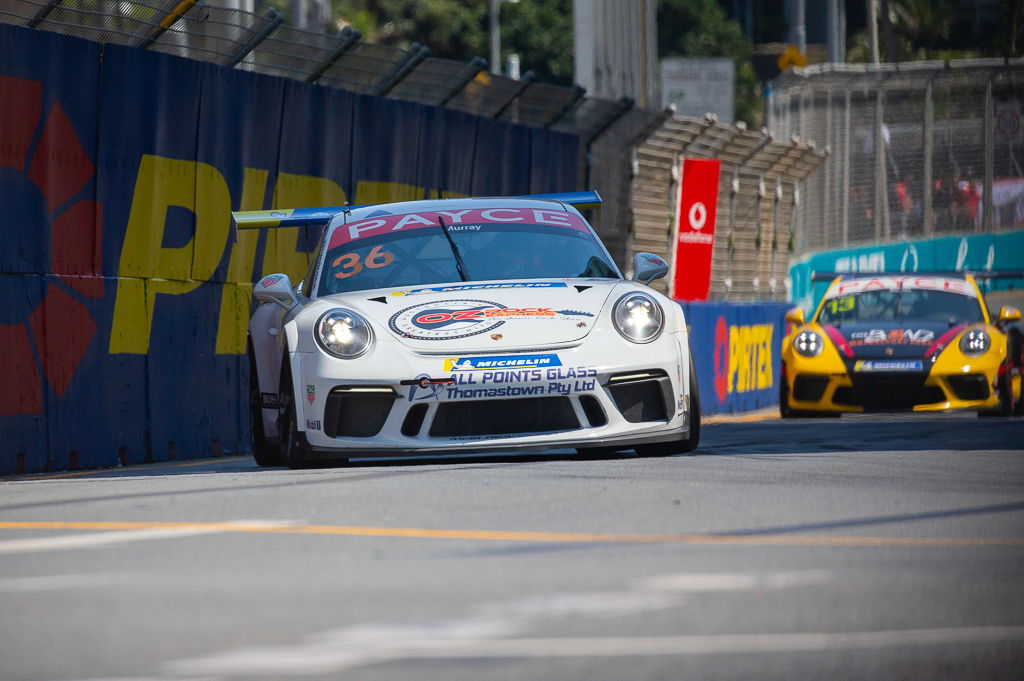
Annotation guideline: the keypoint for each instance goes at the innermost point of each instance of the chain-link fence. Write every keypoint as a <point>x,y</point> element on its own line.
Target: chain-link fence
<point>915,149</point>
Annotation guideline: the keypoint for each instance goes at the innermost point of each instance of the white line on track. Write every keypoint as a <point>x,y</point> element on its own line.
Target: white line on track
<point>94,540</point>
<point>731,644</point>
<point>481,633</point>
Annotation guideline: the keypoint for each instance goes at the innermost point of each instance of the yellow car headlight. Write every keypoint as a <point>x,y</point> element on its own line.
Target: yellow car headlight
<point>975,342</point>
<point>808,343</point>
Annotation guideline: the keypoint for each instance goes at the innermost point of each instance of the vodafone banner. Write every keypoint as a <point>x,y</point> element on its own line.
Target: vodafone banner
<point>698,203</point>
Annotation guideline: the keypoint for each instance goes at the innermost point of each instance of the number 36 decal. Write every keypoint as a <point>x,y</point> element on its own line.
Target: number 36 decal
<point>350,263</point>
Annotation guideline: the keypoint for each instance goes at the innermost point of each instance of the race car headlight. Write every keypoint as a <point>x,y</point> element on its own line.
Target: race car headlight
<point>638,317</point>
<point>808,343</point>
<point>975,342</point>
<point>343,333</point>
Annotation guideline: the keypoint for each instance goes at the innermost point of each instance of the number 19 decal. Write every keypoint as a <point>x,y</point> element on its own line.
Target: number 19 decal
<point>351,264</point>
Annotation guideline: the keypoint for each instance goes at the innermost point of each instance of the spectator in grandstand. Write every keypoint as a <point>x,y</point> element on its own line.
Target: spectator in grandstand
<point>905,206</point>
<point>966,199</point>
<point>942,204</point>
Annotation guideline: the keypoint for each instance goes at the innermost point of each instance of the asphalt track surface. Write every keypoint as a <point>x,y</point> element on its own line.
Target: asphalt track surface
<point>860,548</point>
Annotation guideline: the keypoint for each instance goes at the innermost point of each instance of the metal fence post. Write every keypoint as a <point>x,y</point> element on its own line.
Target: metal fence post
<point>927,209</point>
<point>881,183</point>
<point>845,224</point>
<point>990,152</point>
<point>350,37</point>
<point>413,56</point>
<point>827,183</point>
<point>168,21</point>
<point>43,12</point>
<point>274,19</point>
<point>473,67</point>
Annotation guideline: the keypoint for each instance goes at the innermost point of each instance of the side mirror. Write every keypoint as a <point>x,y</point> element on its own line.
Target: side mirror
<point>277,289</point>
<point>1009,314</point>
<point>795,316</point>
<point>647,267</point>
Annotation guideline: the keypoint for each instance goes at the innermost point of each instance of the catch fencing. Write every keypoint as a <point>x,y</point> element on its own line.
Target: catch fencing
<point>916,149</point>
<point>760,181</point>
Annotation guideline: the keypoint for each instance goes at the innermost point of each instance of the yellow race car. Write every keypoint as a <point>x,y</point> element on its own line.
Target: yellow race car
<point>906,342</point>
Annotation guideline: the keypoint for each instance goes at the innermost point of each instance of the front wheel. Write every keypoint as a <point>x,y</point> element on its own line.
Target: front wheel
<point>688,443</point>
<point>294,447</point>
<point>1006,402</point>
<point>265,453</point>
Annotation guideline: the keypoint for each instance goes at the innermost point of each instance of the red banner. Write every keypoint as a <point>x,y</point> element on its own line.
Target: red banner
<point>698,204</point>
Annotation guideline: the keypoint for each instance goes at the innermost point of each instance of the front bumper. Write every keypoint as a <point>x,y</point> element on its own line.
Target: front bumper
<point>362,408</point>
<point>969,387</point>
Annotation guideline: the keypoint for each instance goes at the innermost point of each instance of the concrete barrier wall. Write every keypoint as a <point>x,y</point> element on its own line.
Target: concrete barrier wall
<point>123,300</point>
<point>736,352</point>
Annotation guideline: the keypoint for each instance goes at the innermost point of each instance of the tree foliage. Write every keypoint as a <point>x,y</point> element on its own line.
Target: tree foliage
<point>539,31</point>
<point>699,28</point>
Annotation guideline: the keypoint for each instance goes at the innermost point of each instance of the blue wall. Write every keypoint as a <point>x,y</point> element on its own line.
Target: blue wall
<point>736,352</point>
<point>123,301</point>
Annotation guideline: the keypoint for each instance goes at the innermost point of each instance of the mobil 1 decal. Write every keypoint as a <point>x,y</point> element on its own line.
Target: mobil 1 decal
<point>446,320</point>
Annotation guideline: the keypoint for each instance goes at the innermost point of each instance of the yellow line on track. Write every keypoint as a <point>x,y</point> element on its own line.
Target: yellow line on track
<point>500,535</point>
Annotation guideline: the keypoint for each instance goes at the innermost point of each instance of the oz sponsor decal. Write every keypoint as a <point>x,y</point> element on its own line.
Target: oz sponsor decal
<point>501,362</point>
<point>461,318</point>
<point>443,321</point>
<point>887,365</point>
<point>268,400</point>
<point>311,393</point>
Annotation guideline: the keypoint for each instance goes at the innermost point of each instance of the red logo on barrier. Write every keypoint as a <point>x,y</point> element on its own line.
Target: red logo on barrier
<point>698,201</point>
<point>721,360</point>
<point>59,328</point>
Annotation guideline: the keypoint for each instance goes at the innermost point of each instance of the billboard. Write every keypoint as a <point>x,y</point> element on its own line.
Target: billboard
<point>695,237</point>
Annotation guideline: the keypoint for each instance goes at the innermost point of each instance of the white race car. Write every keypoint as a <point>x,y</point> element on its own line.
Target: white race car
<point>465,325</point>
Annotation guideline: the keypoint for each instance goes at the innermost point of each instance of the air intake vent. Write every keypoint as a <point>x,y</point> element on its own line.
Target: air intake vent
<point>643,395</point>
<point>357,412</point>
<point>503,417</point>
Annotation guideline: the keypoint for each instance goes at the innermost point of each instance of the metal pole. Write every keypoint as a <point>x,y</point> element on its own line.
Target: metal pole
<point>827,189</point>
<point>845,218</point>
<point>873,30</point>
<point>798,30</point>
<point>274,19</point>
<point>990,152</point>
<point>881,198</point>
<point>495,38</point>
<point>928,184</point>
<point>836,35</point>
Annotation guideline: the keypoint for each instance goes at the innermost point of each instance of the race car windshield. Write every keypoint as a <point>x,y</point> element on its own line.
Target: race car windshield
<point>899,305</point>
<point>489,252</point>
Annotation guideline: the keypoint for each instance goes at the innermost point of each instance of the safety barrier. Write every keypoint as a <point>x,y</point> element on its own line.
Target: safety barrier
<point>978,252</point>
<point>123,300</point>
<point>735,350</point>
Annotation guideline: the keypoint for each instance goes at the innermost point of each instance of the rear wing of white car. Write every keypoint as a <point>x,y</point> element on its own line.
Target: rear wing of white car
<point>318,217</point>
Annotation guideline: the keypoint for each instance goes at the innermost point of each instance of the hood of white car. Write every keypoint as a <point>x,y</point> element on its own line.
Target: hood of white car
<point>499,316</point>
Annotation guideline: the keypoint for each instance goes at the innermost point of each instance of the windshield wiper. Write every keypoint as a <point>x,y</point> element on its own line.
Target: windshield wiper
<point>459,263</point>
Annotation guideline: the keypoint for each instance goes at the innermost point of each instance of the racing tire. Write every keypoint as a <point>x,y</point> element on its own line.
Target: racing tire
<point>1006,403</point>
<point>692,439</point>
<point>785,411</point>
<point>265,453</point>
<point>294,448</point>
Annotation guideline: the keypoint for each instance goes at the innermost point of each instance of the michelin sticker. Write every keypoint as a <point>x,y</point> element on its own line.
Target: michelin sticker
<point>480,287</point>
<point>501,362</point>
